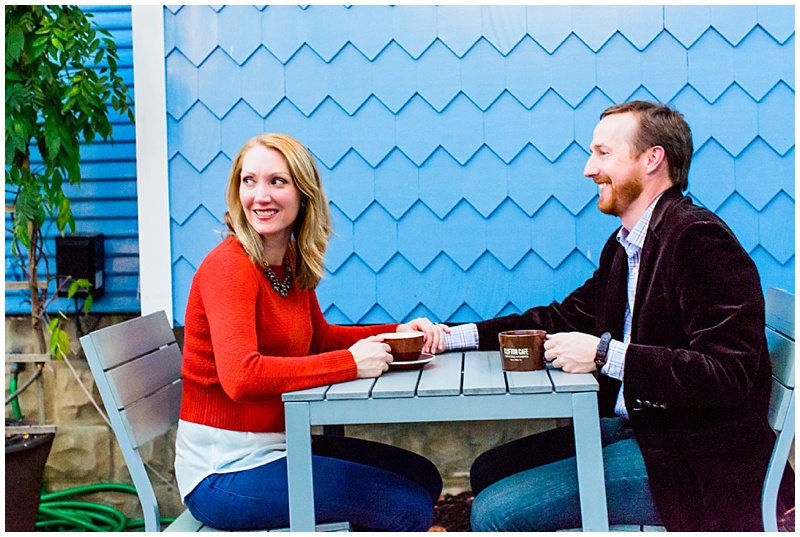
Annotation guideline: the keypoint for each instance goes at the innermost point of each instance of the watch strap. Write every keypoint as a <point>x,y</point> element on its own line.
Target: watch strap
<point>602,350</point>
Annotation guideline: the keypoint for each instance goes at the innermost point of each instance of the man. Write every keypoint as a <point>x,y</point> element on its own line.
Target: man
<point>673,321</point>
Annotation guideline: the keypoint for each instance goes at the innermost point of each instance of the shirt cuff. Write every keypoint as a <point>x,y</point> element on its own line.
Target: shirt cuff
<point>463,337</point>
<point>615,360</point>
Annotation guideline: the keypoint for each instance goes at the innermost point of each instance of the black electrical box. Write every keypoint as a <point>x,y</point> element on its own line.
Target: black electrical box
<point>80,257</point>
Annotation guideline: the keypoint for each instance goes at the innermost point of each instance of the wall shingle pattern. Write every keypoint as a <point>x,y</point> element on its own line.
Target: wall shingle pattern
<point>452,139</point>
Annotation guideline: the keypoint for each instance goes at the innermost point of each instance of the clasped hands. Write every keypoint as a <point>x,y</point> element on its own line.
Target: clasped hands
<point>573,352</point>
<point>372,355</point>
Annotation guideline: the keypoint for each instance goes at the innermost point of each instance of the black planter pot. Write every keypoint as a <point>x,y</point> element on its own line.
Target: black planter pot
<point>26,456</point>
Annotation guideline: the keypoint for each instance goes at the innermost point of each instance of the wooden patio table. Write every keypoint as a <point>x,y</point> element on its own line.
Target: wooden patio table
<point>455,386</point>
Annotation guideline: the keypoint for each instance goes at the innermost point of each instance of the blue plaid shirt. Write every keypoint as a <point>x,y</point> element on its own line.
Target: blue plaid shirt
<point>466,336</point>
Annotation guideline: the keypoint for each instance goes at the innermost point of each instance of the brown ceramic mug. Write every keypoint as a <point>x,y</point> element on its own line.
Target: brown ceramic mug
<point>522,350</point>
<point>405,346</point>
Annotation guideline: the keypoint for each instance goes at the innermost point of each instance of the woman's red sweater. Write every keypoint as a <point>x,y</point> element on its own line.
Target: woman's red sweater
<point>245,345</point>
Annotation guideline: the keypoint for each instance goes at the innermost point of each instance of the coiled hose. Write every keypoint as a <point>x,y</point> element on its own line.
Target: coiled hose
<point>57,513</point>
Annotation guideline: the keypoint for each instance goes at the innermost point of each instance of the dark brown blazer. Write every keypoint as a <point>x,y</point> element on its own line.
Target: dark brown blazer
<point>697,371</point>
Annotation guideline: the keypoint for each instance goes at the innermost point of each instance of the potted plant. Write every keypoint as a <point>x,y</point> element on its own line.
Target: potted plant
<point>61,79</point>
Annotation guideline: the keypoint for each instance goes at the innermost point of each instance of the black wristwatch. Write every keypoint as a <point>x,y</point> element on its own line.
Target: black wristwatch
<point>602,350</point>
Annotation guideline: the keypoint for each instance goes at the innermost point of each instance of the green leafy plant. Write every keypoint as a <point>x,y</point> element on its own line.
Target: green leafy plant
<point>61,82</point>
<point>59,340</point>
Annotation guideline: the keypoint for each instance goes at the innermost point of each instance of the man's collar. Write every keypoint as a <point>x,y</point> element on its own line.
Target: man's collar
<point>635,237</point>
<point>670,196</point>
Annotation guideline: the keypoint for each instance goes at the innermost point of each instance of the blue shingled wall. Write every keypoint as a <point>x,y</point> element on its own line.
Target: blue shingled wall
<point>106,201</point>
<point>441,131</point>
<point>452,140</point>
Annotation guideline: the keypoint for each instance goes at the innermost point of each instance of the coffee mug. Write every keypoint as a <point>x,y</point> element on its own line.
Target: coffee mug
<point>522,350</point>
<point>405,346</point>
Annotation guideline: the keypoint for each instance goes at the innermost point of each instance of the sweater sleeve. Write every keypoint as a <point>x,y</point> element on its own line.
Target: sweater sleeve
<point>330,336</point>
<point>229,288</point>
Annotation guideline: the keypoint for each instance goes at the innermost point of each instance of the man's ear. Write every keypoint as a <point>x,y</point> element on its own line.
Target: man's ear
<point>656,157</point>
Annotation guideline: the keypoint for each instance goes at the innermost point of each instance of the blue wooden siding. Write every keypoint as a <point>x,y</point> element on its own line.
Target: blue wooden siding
<point>106,200</point>
<point>442,131</point>
<point>452,140</point>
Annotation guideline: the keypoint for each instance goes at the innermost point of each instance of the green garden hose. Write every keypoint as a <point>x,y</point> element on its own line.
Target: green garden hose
<point>12,388</point>
<point>56,513</point>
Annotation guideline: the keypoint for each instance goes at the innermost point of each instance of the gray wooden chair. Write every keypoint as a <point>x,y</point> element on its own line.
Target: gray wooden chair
<point>780,339</point>
<point>136,365</point>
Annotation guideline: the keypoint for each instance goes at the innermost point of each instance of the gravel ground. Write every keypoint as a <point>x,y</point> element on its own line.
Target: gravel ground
<point>452,514</point>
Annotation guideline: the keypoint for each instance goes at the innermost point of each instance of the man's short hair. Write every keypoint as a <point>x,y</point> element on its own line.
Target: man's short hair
<point>660,125</point>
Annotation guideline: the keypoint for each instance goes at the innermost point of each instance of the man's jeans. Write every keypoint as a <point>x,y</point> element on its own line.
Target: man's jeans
<point>531,484</point>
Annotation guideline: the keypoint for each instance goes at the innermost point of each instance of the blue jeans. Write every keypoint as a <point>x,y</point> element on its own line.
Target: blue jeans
<point>373,486</point>
<point>531,484</point>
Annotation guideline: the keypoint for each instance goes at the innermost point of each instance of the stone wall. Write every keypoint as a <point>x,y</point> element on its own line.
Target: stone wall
<point>85,450</point>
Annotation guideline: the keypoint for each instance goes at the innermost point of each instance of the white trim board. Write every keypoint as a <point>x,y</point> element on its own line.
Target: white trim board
<point>152,180</point>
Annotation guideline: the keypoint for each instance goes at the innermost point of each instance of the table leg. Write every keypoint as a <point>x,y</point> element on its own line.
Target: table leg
<point>298,467</point>
<point>589,456</point>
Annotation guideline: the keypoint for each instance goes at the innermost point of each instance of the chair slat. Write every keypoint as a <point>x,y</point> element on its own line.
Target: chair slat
<point>778,405</point>
<point>152,416</point>
<point>121,342</point>
<point>185,522</point>
<point>780,311</point>
<point>780,340</point>
<point>329,527</point>
<point>781,354</point>
<point>135,379</point>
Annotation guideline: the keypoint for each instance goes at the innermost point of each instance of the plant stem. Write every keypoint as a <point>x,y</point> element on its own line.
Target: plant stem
<point>33,284</point>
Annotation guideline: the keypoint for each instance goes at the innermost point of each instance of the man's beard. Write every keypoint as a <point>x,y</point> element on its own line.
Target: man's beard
<point>622,195</point>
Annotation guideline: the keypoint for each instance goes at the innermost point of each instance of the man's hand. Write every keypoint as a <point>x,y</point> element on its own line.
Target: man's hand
<point>573,352</point>
<point>434,333</point>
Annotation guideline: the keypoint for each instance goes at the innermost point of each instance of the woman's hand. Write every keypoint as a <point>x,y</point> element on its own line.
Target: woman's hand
<point>434,334</point>
<point>372,357</point>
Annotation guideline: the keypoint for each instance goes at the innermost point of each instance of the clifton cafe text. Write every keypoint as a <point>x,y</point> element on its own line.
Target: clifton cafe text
<point>516,354</point>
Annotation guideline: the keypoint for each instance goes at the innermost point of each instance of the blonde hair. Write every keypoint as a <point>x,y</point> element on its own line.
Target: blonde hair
<point>312,228</point>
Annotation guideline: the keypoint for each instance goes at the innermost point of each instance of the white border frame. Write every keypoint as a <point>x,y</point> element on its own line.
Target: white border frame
<point>152,179</point>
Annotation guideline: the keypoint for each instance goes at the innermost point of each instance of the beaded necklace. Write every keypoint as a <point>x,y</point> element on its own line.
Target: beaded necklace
<point>281,287</point>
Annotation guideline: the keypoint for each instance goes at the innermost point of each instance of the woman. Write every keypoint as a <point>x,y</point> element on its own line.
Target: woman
<point>254,330</point>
